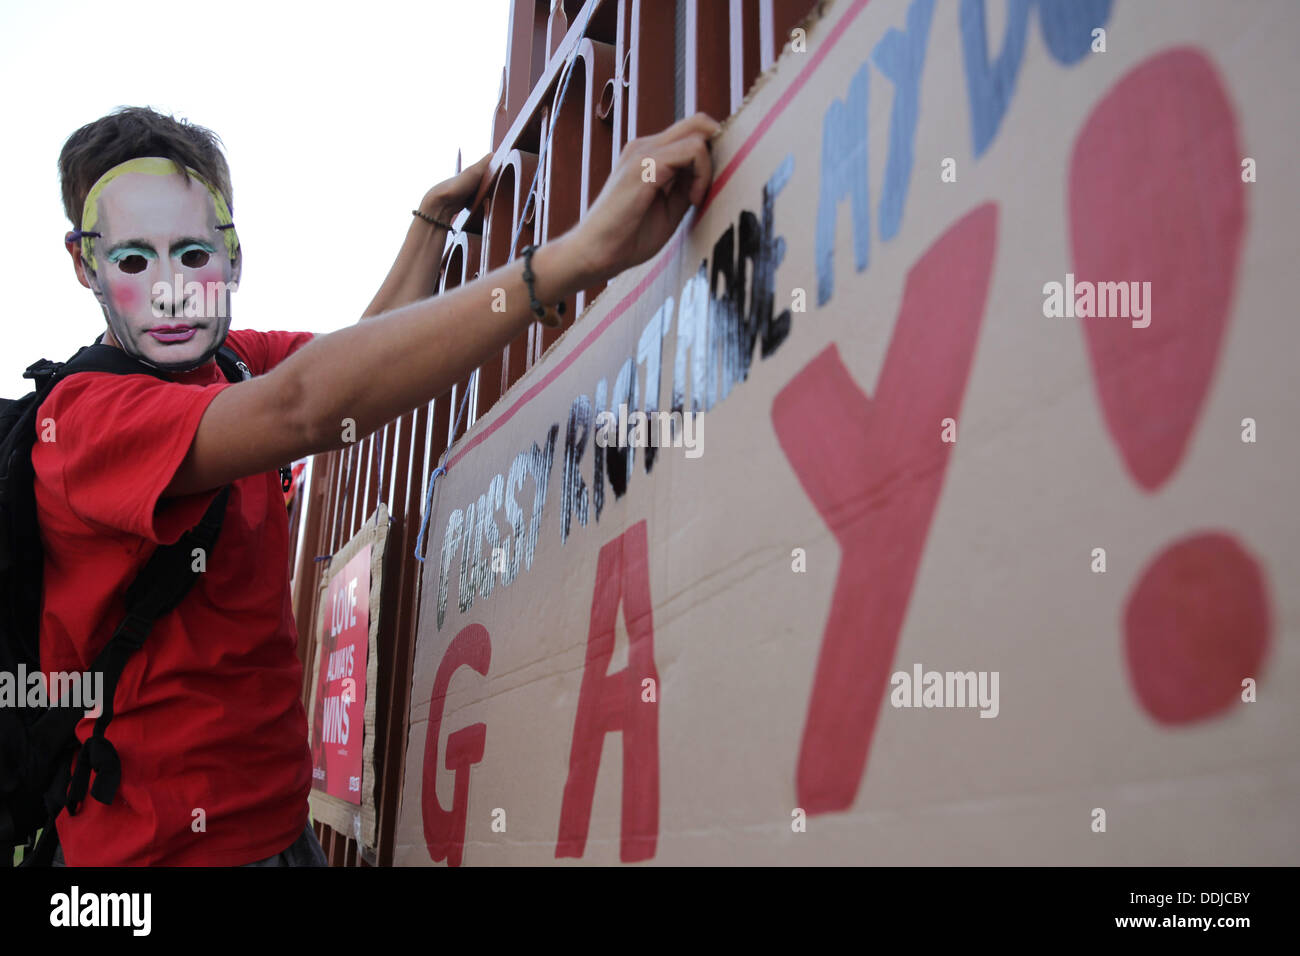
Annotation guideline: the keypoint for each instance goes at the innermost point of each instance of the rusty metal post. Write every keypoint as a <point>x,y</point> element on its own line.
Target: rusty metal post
<point>707,58</point>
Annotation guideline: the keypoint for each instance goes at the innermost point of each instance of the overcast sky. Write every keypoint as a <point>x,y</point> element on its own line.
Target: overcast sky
<point>335,117</point>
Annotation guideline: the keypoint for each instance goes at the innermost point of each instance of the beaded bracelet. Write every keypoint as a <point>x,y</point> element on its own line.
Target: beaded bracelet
<point>431,220</point>
<point>549,317</point>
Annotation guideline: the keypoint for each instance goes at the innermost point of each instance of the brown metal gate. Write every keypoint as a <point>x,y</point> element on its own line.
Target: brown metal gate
<point>637,65</point>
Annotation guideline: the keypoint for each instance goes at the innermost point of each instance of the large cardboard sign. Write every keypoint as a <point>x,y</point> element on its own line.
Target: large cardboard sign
<point>344,683</point>
<point>977,540</point>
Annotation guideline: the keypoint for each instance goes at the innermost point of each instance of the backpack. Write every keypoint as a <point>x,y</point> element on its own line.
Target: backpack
<point>38,743</point>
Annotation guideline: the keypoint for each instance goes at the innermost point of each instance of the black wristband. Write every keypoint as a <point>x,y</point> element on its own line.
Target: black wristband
<point>543,314</point>
<point>432,221</point>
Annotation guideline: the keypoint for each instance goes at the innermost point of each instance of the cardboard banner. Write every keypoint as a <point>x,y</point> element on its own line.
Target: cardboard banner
<point>974,539</point>
<point>344,673</point>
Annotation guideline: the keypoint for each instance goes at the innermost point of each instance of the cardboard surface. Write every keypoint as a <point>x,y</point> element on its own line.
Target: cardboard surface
<point>908,465</point>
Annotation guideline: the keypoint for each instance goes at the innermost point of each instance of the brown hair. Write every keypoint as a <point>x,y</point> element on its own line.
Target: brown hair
<point>130,132</point>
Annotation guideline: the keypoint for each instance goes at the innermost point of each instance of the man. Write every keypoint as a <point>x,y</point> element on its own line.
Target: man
<point>208,723</point>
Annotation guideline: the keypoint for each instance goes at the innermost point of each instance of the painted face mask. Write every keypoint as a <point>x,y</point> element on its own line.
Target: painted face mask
<point>162,256</point>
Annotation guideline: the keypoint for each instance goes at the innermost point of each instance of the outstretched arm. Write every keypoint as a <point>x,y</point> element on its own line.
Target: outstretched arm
<point>366,375</point>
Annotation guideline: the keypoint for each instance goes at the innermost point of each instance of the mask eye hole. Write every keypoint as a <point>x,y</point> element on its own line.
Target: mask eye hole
<point>132,264</point>
<point>194,258</point>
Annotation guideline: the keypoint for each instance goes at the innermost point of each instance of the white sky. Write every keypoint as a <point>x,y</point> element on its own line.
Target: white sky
<point>338,113</point>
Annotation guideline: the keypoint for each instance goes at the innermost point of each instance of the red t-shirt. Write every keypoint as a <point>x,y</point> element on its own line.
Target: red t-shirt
<point>208,713</point>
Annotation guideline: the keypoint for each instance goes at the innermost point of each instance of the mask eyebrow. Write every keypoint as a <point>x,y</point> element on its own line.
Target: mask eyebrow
<point>138,246</point>
<point>180,245</point>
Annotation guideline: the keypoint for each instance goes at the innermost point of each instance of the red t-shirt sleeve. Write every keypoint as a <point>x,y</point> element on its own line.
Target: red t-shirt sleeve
<point>263,351</point>
<point>119,440</point>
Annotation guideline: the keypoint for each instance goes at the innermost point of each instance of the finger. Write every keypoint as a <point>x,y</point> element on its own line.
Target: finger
<point>703,123</point>
<point>483,168</point>
<point>688,156</point>
<point>473,182</point>
<point>699,124</point>
<point>676,203</point>
<point>689,168</point>
<point>470,175</point>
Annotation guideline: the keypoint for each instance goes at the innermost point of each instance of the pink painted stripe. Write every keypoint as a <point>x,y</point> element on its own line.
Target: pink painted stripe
<point>666,254</point>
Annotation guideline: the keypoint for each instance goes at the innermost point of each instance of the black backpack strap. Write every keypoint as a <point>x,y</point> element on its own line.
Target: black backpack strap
<point>92,358</point>
<point>231,365</point>
<point>235,370</point>
<point>105,358</point>
<point>158,589</point>
<point>162,584</point>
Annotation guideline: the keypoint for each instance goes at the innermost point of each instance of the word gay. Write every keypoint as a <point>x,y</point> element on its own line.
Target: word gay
<point>946,689</point>
<point>676,429</point>
<point>82,691</point>
<point>1102,300</point>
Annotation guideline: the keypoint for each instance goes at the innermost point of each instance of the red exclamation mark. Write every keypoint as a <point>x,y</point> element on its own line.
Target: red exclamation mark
<point>1156,195</point>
